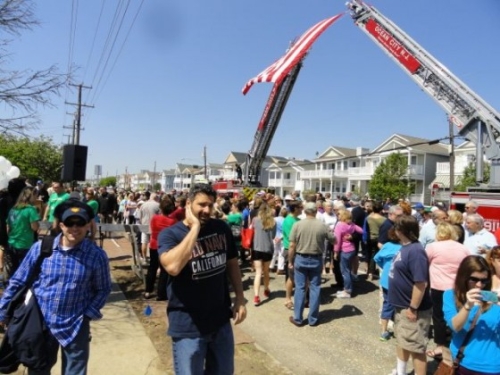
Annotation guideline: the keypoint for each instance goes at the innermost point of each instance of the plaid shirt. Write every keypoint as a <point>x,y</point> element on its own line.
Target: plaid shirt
<point>73,284</point>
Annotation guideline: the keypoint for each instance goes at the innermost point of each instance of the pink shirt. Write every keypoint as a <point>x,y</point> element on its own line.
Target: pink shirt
<point>444,259</point>
<point>341,230</point>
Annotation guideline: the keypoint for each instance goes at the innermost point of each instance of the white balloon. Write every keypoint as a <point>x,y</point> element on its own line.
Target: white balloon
<point>3,164</point>
<point>4,180</point>
<point>13,172</point>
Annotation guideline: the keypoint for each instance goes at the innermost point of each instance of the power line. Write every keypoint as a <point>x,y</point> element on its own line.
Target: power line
<point>94,39</point>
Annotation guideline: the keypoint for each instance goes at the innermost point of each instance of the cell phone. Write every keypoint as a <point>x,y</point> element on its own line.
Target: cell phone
<point>488,296</point>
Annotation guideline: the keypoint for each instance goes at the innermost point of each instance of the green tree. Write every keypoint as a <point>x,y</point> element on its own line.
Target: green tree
<point>108,181</point>
<point>157,186</point>
<point>37,158</point>
<point>469,177</point>
<point>390,178</point>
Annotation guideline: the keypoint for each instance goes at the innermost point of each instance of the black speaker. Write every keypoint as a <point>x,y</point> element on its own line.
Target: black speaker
<point>74,163</point>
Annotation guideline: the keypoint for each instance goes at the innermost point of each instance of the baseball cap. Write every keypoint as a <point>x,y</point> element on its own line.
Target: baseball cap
<point>288,197</point>
<point>418,206</point>
<point>75,212</point>
<point>355,198</point>
<point>39,182</point>
<point>261,193</point>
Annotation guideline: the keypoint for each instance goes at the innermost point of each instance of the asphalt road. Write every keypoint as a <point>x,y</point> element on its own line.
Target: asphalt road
<point>345,342</point>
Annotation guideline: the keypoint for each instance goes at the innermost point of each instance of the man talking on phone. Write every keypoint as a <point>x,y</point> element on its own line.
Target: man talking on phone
<point>200,255</point>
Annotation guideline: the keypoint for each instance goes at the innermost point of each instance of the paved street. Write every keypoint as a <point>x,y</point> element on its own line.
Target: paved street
<point>345,342</point>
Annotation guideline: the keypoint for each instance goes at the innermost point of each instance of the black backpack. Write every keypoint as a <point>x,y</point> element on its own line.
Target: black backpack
<point>26,336</point>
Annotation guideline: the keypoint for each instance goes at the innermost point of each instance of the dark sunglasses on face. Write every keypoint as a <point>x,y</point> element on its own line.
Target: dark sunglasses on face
<point>477,279</point>
<point>71,223</point>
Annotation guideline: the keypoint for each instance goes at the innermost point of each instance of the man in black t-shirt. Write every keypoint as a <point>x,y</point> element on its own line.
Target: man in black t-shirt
<point>200,255</point>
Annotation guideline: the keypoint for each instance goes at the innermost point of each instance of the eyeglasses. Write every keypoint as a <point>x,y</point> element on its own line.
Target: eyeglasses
<point>72,223</point>
<point>477,280</point>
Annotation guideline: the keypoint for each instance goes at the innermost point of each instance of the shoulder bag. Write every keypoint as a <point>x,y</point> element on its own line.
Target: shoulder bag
<point>446,368</point>
<point>25,339</point>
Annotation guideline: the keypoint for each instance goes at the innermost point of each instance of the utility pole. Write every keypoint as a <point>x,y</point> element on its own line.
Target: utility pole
<point>452,155</point>
<point>153,181</point>
<point>78,122</point>
<point>205,162</point>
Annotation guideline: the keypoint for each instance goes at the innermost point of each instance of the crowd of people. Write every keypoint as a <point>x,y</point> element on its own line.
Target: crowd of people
<point>433,264</point>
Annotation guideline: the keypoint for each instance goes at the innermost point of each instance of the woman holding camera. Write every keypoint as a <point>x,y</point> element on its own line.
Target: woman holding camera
<point>470,307</point>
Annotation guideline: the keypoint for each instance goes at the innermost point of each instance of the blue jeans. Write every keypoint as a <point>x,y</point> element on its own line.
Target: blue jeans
<point>307,268</point>
<point>75,355</point>
<point>345,268</point>
<point>208,354</point>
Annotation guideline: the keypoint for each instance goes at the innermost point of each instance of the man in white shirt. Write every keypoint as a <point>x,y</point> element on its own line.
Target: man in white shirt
<point>479,240</point>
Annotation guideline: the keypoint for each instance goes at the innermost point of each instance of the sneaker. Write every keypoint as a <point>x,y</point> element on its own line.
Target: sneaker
<point>267,293</point>
<point>256,300</point>
<point>385,336</point>
<point>343,294</point>
<point>394,372</point>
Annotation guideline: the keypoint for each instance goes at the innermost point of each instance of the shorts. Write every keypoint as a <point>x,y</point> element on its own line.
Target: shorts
<point>412,336</point>
<point>144,238</point>
<point>387,312</point>
<point>259,255</point>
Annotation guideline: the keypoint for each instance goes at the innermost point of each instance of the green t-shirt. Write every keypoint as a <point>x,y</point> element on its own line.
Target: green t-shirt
<point>54,200</point>
<point>19,221</point>
<point>235,218</point>
<point>94,205</point>
<point>287,229</point>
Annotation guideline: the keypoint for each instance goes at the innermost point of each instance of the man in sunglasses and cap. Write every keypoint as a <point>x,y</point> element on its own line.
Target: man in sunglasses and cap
<point>72,287</point>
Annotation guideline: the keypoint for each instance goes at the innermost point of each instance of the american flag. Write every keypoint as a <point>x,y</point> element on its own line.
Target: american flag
<point>278,71</point>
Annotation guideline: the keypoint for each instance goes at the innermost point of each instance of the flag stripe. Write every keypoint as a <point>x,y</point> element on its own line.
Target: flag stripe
<point>277,71</point>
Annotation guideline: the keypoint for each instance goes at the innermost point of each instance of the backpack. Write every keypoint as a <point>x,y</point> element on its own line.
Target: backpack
<point>27,333</point>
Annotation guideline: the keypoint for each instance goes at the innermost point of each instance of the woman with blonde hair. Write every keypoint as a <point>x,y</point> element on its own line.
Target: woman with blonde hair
<point>263,248</point>
<point>445,256</point>
<point>345,250</point>
<point>456,219</point>
<point>22,224</point>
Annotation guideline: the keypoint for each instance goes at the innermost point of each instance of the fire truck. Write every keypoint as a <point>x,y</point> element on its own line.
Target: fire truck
<point>474,118</point>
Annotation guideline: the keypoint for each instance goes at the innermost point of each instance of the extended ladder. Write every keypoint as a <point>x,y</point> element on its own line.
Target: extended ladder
<point>268,124</point>
<point>475,119</point>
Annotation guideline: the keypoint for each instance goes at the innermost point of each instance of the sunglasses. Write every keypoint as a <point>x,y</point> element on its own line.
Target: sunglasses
<point>72,223</point>
<point>477,280</point>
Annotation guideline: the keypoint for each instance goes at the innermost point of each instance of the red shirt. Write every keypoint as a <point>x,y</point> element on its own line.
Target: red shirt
<point>158,223</point>
<point>179,214</point>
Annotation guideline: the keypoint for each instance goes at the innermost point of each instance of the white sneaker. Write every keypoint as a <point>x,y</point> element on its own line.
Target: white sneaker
<point>343,295</point>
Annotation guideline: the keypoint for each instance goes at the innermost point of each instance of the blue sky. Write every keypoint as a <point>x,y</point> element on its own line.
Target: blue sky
<point>176,85</point>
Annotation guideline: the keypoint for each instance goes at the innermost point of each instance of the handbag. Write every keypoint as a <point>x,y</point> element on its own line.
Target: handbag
<point>247,237</point>
<point>449,367</point>
<point>26,336</point>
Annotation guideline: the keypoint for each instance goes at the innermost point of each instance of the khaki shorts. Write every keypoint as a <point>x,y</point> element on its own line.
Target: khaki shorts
<point>145,238</point>
<point>412,336</point>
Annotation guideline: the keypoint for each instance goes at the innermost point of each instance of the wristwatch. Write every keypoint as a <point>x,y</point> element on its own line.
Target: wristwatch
<point>412,309</point>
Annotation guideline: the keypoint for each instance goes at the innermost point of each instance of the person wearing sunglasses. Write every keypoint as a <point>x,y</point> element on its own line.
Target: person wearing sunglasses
<point>463,304</point>
<point>72,287</point>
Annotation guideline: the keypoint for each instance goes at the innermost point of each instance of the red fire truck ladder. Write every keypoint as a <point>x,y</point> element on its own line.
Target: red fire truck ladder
<point>268,124</point>
<point>475,119</point>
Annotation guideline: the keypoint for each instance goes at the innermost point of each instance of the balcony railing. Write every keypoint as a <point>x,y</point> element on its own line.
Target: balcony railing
<point>278,182</point>
<point>444,168</point>
<point>416,170</point>
<point>322,173</point>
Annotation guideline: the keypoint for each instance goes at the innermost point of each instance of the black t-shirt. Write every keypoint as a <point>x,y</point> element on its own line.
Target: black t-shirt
<point>409,266</point>
<point>199,301</point>
<point>383,233</point>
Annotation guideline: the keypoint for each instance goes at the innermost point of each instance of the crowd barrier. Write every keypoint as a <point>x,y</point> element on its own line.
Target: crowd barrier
<point>131,231</point>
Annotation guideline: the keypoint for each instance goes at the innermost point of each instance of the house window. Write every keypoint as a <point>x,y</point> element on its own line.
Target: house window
<point>287,175</point>
<point>278,174</point>
<point>271,175</point>
<point>332,166</point>
<point>354,164</point>
<point>298,175</point>
<point>413,160</point>
<point>346,165</point>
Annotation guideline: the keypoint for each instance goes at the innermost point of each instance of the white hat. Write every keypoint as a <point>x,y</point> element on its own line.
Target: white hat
<point>288,197</point>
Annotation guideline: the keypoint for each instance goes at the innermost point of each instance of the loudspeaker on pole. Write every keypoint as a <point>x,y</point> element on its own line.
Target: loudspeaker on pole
<point>74,163</point>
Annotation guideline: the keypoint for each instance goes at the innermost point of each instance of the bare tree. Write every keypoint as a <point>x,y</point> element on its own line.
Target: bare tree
<point>24,91</point>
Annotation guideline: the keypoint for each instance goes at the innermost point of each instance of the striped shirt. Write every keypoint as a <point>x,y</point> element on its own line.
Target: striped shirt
<point>72,284</point>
